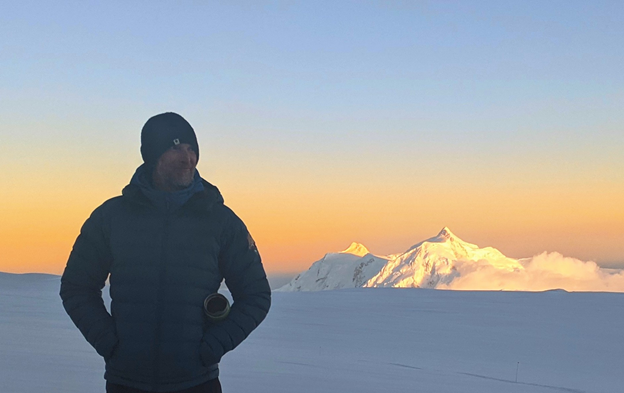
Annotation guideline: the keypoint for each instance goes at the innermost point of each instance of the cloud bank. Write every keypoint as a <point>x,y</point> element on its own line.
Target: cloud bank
<point>541,272</point>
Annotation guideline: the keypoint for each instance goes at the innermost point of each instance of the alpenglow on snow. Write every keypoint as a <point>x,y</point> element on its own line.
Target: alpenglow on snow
<point>428,264</point>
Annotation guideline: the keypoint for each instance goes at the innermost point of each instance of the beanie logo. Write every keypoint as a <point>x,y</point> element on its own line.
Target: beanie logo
<point>176,141</point>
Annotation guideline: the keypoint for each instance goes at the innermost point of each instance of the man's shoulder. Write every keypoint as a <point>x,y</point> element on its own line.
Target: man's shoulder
<point>227,213</point>
<point>109,205</point>
<point>111,202</point>
<point>231,221</point>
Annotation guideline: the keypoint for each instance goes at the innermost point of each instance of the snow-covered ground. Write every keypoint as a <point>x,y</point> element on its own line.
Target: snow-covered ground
<point>355,340</point>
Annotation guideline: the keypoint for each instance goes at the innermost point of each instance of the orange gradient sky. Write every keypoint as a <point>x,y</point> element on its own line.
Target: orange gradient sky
<point>324,123</point>
<point>297,211</point>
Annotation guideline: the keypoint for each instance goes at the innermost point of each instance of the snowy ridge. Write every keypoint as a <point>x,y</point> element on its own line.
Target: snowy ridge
<point>351,268</point>
<point>428,264</point>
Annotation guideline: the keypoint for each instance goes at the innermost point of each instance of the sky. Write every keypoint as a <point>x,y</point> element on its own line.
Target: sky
<point>324,122</point>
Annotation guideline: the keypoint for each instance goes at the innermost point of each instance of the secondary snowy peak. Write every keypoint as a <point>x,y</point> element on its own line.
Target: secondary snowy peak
<point>351,268</point>
<point>356,249</point>
<point>431,263</point>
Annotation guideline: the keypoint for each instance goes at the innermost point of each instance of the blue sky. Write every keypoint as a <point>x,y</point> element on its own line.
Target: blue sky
<point>335,70</point>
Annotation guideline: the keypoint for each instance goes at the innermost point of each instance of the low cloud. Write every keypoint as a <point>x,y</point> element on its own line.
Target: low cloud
<point>542,272</point>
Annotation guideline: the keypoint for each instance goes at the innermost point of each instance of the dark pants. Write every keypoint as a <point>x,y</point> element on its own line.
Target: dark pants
<point>212,386</point>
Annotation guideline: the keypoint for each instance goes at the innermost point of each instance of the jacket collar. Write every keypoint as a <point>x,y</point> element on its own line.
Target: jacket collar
<point>201,195</point>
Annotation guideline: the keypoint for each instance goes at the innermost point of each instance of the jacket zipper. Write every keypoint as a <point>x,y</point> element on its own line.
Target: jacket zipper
<point>159,300</point>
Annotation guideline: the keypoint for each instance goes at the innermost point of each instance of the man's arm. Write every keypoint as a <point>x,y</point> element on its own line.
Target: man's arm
<point>244,275</point>
<point>82,282</point>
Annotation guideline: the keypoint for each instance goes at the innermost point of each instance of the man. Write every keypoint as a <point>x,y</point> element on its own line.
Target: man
<point>165,244</point>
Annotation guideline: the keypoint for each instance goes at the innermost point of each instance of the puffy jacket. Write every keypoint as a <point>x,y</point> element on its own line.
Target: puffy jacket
<point>162,265</point>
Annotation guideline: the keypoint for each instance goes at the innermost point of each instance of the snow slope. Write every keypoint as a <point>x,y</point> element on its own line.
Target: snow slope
<point>433,262</point>
<point>447,262</point>
<point>356,340</point>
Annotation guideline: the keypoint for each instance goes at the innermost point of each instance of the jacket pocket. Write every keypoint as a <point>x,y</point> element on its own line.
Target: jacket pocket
<point>112,352</point>
<point>107,344</point>
<point>207,357</point>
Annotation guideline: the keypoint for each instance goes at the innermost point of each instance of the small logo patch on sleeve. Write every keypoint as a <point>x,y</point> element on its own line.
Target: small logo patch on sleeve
<point>252,243</point>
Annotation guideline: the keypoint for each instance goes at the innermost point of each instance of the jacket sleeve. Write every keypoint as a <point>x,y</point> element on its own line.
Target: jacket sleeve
<point>82,282</point>
<point>241,266</point>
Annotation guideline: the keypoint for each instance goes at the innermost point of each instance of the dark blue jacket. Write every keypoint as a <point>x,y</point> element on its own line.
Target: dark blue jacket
<point>162,265</point>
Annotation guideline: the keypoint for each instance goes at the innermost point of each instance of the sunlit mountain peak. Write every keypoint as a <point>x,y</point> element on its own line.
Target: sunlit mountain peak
<point>446,236</point>
<point>446,233</point>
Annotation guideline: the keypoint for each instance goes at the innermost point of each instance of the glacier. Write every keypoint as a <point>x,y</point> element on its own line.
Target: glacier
<point>355,340</point>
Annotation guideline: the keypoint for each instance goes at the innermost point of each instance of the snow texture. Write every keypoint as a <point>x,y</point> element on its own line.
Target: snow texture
<point>447,262</point>
<point>355,340</point>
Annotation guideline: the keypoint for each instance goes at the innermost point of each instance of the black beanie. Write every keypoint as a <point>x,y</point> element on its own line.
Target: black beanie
<point>162,132</point>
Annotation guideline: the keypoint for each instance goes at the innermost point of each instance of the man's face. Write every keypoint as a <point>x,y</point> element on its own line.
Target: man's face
<point>175,169</point>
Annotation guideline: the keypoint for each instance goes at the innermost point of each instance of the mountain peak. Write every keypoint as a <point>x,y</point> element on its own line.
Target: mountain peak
<point>447,234</point>
<point>356,249</point>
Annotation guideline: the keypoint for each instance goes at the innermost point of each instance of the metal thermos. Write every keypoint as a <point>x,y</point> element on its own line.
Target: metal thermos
<point>216,307</point>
